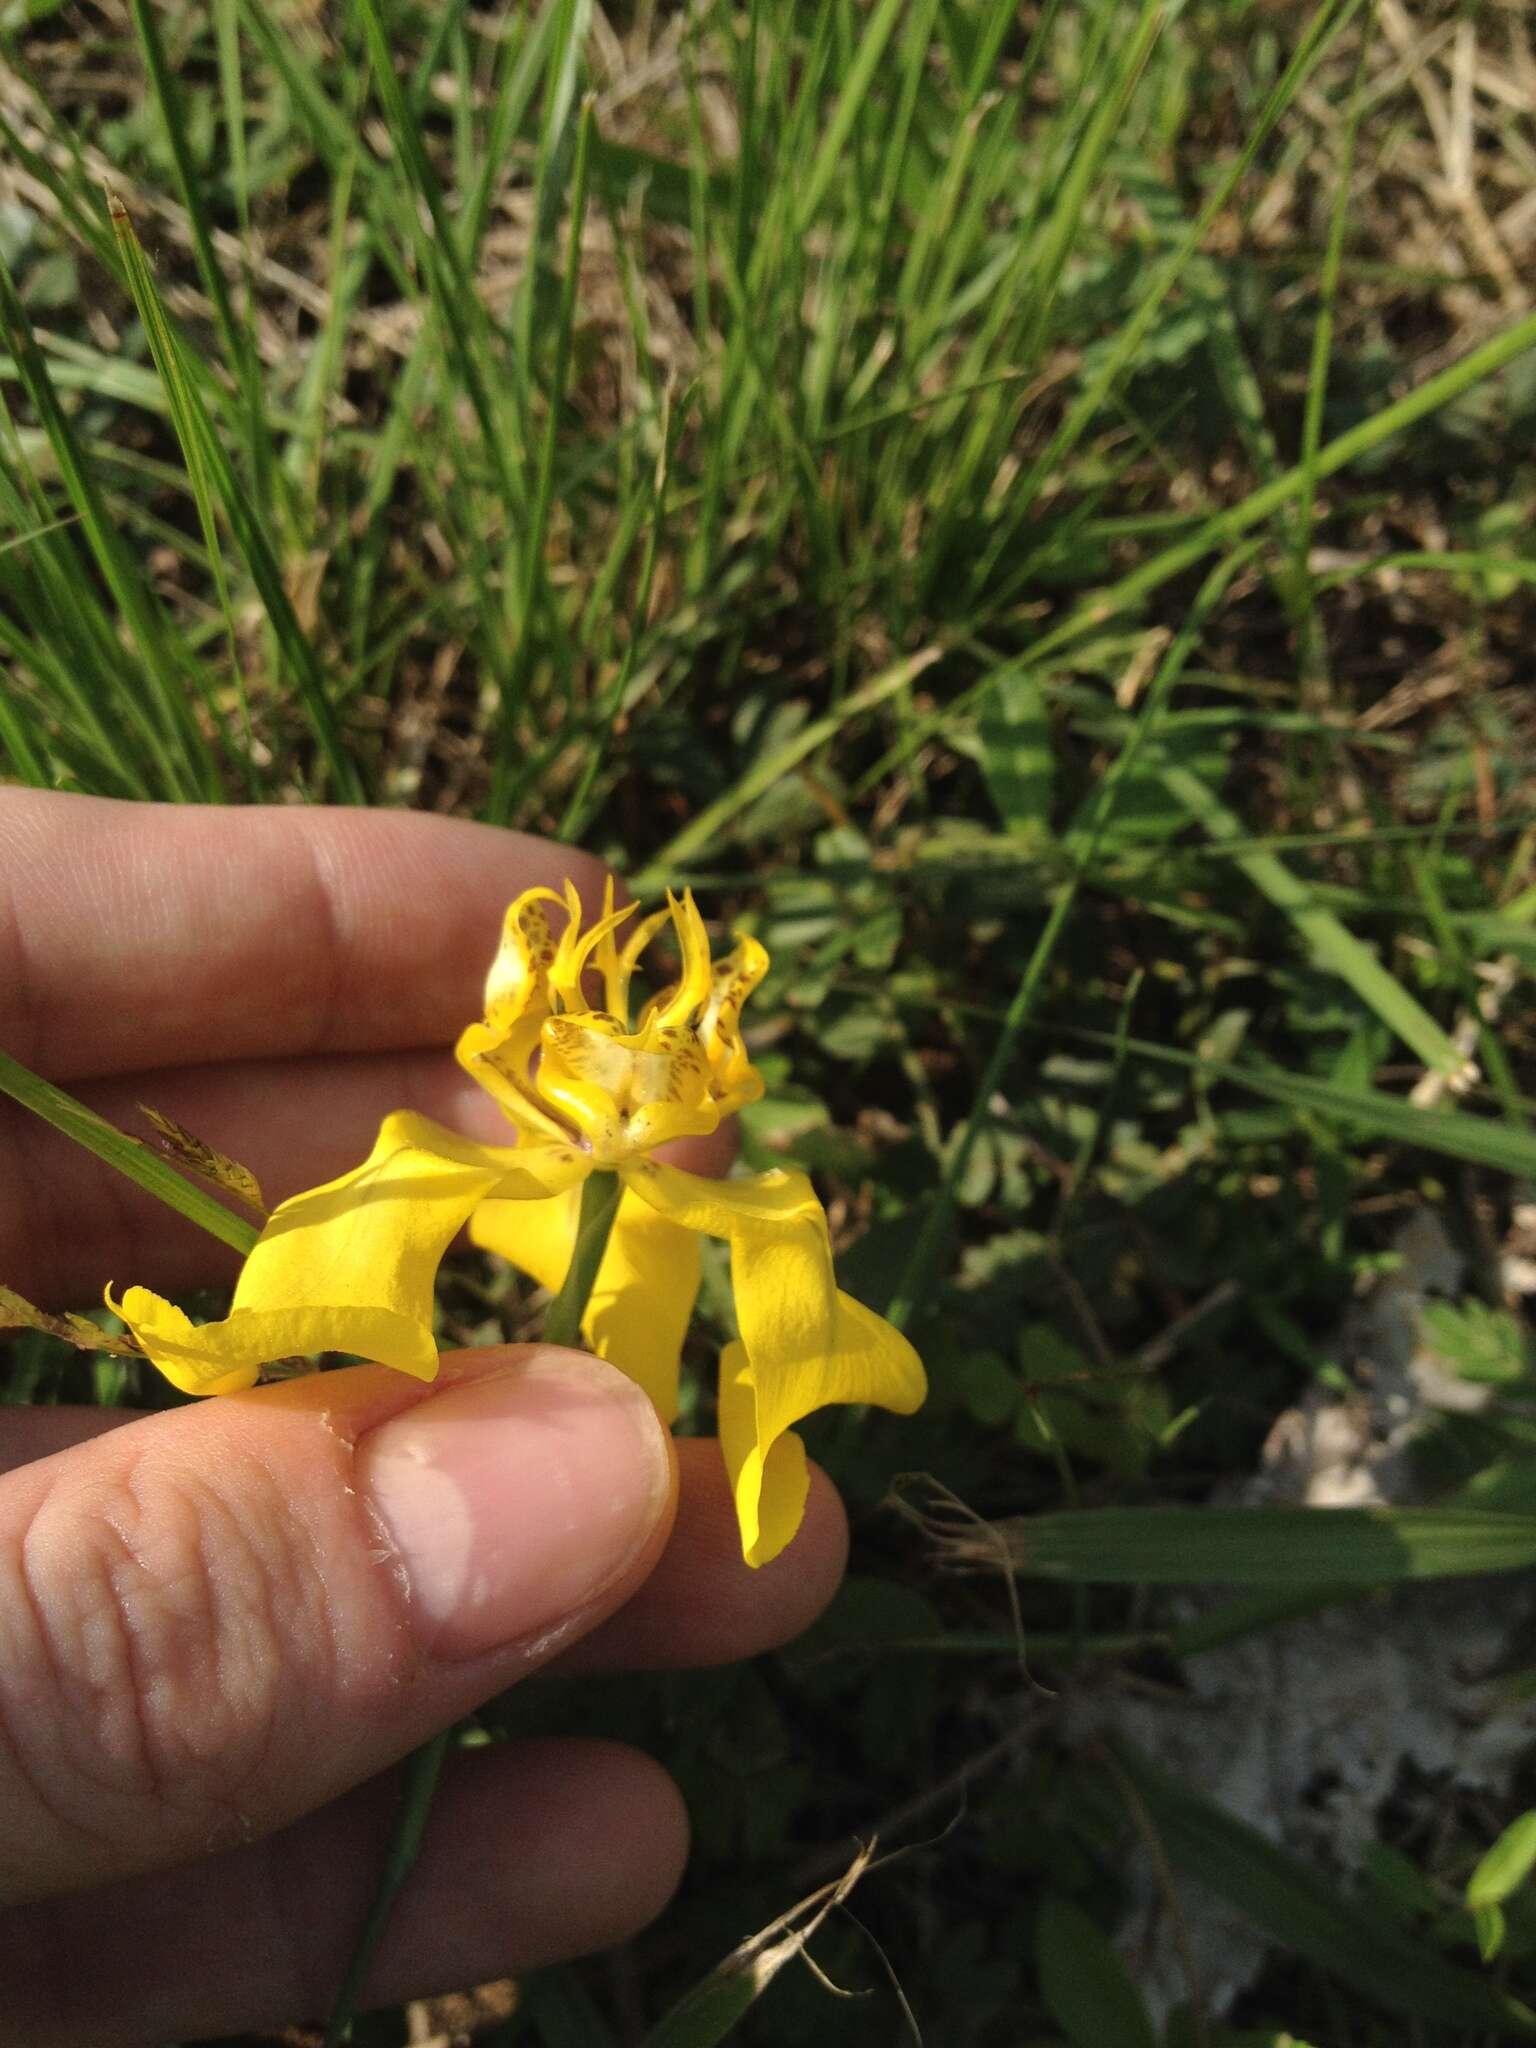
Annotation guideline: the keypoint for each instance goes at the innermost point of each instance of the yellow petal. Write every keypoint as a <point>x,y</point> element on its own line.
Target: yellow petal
<point>576,950</point>
<point>629,959</point>
<point>198,1360</point>
<point>536,1237</point>
<point>616,965</point>
<point>638,1313</point>
<point>643,1300</point>
<point>678,1004</point>
<point>663,1123</point>
<point>770,1487</point>
<point>500,1060</point>
<point>350,1266</point>
<point>733,980</point>
<point>806,1345</point>
<point>775,1226</point>
<point>517,980</point>
<point>580,1066</point>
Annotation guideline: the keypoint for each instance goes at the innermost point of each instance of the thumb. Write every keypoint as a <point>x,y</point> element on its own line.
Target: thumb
<point>215,1619</point>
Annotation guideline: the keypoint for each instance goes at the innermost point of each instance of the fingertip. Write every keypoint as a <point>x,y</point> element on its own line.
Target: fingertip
<point>819,1552</point>
<point>646,1806</point>
<point>599,1838</point>
<point>801,1580</point>
<point>515,1499</point>
<point>703,1604</point>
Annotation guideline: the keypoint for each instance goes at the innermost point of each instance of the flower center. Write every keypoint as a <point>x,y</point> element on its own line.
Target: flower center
<point>560,1068</point>
<point>623,1091</point>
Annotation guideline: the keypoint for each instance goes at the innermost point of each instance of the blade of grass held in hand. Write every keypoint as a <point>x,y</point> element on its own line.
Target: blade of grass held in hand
<point>206,1161</point>
<point>17,1313</point>
<point>131,1158</point>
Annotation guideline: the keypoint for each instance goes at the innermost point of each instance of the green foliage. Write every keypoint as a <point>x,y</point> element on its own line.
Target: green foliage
<point>1501,1871</point>
<point>1485,1345</point>
<point>1309,1917</point>
<point>1029,512</point>
<point>1086,1987</point>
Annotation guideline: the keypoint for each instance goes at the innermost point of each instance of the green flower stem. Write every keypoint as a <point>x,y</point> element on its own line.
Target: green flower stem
<point>562,1325</point>
<point>600,1194</point>
<point>422,1770</point>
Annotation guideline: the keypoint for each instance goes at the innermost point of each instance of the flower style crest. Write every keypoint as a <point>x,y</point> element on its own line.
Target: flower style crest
<point>560,1066</point>
<point>352,1266</point>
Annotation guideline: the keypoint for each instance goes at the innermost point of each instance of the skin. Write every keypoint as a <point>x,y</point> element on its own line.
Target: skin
<point>209,1656</point>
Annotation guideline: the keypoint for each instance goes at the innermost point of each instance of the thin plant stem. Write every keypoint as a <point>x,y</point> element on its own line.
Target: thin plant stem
<point>562,1325</point>
<point>600,1194</point>
<point>423,1767</point>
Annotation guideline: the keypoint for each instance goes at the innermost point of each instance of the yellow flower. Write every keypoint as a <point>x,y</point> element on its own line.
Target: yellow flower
<point>352,1266</point>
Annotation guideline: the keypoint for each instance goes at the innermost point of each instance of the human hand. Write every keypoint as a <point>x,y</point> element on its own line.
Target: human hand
<point>217,1621</point>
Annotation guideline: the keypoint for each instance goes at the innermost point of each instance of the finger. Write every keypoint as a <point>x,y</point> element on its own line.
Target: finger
<point>69,1224</point>
<point>213,1620</point>
<point>532,1854</point>
<point>142,935</point>
<point>704,1604</point>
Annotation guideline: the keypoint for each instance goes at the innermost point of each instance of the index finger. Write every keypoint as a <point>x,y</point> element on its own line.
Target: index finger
<point>142,935</point>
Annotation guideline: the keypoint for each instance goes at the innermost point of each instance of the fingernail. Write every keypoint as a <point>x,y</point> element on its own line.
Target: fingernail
<point>512,1501</point>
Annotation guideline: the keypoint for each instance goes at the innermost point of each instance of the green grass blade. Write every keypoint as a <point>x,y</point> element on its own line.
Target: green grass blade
<point>239,349</point>
<point>1456,1134</point>
<point>453,293</point>
<point>1333,946</point>
<point>1298,1548</point>
<point>1091,1994</point>
<point>515,89</point>
<point>832,149</point>
<point>709,2012</point>
<point>700,833</point>
<point>17,753</point>
<point>226,25</point>
<point>544,485</point>
<point>1224,528</point>
<point>1307,1916</point>
<point>1320,32</point>
<point>68,644</point>
<point>1506,1866</point>
<point>1313,653</point>
<point>183,758</point>
<point>208,460</point>
<point>175,388</point>
<point>418,1788</point>
<point>577,810</point>
<point>1034,276</point>
<point>131,1158</point>
<point>933,1237</point>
